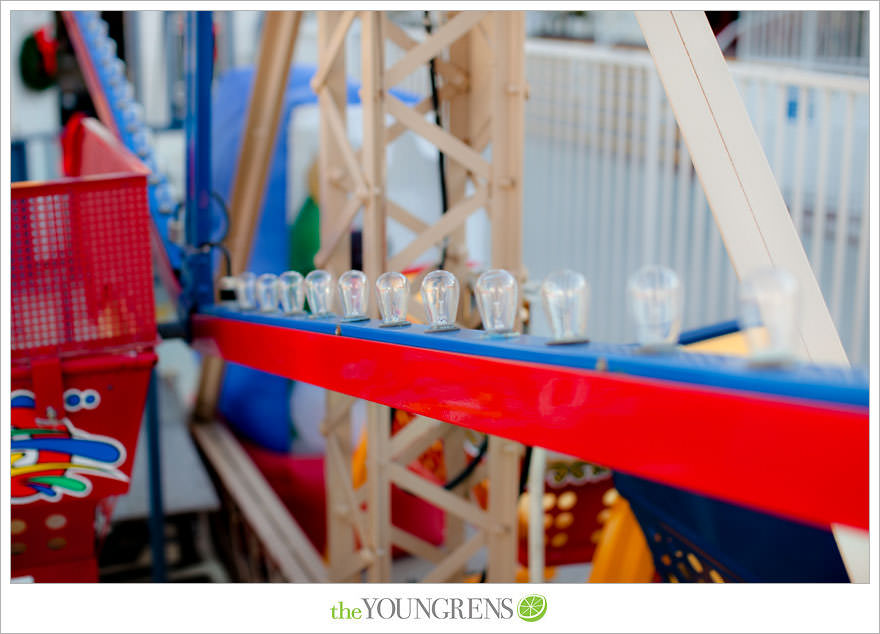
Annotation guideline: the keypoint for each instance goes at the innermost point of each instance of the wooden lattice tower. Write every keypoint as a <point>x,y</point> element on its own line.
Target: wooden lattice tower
<point>482,91</point>
<point>479,58</point>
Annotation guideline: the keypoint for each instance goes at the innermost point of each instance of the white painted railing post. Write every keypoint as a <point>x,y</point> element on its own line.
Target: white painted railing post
<point>652,165</point>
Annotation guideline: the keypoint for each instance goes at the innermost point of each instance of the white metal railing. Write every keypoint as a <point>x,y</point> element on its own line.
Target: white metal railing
<point>609,184</point>
<point>817,40</point>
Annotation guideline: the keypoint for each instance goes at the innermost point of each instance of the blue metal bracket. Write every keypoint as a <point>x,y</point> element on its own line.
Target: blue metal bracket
<point>197,273</point>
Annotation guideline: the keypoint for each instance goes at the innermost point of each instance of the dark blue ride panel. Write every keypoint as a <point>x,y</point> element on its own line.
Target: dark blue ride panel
<point>694,538</point>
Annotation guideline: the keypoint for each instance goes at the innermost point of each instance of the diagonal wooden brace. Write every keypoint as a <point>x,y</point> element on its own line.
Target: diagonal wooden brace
<point>431,46</point>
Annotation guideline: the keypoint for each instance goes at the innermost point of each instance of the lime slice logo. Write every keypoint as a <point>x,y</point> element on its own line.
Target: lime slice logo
<point>532,608</point>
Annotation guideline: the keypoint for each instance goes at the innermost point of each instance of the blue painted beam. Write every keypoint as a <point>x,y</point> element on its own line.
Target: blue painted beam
<point>825,384</point>
<point>708,332</point>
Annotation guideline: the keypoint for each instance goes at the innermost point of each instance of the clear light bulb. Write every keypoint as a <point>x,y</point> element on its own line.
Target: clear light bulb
<point>247,291</point>
<point>355,295</point>
<point>497,292</point>
<point>291,292</point>
<point>566,296</point>
<point>392,290</point>
<point>319,292</point>
<point>768,314</point>
<point>267,292</point>
<point>655,296</point>
<point>440,293</point>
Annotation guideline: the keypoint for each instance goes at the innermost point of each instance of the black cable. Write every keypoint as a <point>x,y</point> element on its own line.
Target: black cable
<point>218,243</point>
<point>206,247</point>
<point>225,252</point>
<point>469,467</point>
<point>435,102</point>
<point>524,472</point>
<point>216,196</point>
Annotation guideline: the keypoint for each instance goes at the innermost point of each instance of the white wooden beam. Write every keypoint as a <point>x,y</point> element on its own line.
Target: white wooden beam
<point>448,144</point>
<point>456,559</point>
<point>282,538</point>
<point>416,546</point>
<point>449,71</point>
<point>443,227</point>
<point>343,227</point>
<point>420,431</point>
<point>332,97</point>
<point>537,469</point>
<point>337,127</point>
<point>404,217</point>
<point>438,496</point>
<point>339,462</point>
<point>432,46</point>
<point>736,177</point>
<point>332,50</point>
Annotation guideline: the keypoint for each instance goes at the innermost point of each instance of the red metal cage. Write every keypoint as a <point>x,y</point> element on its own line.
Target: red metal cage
<point>83,330</point>
<point>81,272</point>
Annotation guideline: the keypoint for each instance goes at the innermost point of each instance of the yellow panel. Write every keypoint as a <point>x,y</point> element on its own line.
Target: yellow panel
<point>622,554</point>
<point>733,345</point>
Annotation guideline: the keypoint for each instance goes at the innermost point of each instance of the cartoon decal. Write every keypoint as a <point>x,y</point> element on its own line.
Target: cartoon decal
<point>561,473</point>
<point>51,459</point>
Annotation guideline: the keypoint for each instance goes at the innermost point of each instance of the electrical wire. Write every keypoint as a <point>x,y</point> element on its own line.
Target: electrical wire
<point>524,472</point>
<point>216,196</point>
<point>219,199</point>
<point>469,467</point>
<point>206,248</point>
<point>217,243</point>
<point>435,102</point>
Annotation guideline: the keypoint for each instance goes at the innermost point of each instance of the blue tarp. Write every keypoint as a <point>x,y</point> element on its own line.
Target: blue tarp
<point>255,403</point>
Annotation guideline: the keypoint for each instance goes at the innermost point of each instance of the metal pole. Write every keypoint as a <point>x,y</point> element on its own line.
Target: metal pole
<point>154,467</point>
<point>198,281</point>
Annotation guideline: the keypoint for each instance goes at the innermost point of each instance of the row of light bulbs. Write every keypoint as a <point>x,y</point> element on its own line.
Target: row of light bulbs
<point>768,297</point>
<point>768,303</point>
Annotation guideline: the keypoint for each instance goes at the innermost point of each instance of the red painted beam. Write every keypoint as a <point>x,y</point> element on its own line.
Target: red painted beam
<point>783,456</point>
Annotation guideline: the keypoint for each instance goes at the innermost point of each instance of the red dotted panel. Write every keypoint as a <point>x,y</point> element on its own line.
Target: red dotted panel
<point>81,269</point>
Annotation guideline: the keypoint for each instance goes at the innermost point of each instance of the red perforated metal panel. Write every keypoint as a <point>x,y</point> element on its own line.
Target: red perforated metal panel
<point>81,272</point>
